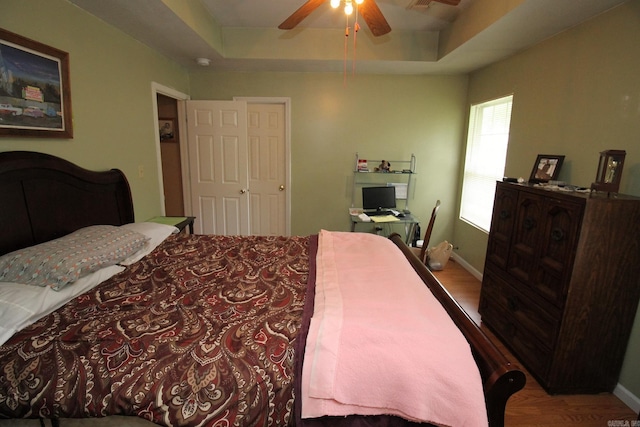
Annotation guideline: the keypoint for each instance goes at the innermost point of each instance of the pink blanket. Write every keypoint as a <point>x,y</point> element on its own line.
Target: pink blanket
<point>380,343</point>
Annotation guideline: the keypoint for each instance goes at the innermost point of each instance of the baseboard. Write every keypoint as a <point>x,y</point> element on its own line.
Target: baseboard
<point>475,273</point>
<point>628,398</point>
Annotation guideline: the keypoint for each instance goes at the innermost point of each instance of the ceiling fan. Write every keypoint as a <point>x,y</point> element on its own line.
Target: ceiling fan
<point>368,9</point>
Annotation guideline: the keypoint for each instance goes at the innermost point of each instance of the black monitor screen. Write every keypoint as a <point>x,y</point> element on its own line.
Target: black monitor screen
<point>374,198</point>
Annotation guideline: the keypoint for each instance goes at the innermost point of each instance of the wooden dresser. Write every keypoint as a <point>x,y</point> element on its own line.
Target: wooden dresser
<point>562,281</point>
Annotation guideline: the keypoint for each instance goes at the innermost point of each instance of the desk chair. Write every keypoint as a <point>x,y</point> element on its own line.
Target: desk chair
<point>422,245</point>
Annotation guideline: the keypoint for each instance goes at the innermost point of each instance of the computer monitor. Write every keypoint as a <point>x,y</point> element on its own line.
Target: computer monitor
<point>378,198</point>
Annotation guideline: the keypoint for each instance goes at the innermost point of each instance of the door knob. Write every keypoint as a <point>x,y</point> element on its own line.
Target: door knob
<point>281,188</point>
<point>244,190</point>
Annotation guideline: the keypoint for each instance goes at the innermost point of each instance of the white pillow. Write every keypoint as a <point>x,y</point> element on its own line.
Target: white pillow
<point>62,261</point>
<point>21,305</point>
<point>154,231</point>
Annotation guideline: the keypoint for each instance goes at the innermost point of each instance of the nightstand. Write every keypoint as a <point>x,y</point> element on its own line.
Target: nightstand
<point>180,222</point>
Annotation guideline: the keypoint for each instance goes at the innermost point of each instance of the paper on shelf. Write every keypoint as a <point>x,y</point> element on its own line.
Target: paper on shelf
<point>384,218</point>
<point>401,189</point>
<point>364,218</point>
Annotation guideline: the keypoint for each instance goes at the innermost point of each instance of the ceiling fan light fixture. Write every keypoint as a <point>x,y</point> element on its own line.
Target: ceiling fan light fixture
<point>348,7</point>
<point>368,10</point>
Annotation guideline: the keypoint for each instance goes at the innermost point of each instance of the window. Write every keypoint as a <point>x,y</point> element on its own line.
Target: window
<point>486,156</point>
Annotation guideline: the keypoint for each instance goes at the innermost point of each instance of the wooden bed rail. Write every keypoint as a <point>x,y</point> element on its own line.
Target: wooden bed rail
<point>500,378</point>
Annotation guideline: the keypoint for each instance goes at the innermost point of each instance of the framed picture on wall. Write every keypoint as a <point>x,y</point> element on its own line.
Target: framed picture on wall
<point>35,95</point>
<point>546,168</point>
<point>167,130</point>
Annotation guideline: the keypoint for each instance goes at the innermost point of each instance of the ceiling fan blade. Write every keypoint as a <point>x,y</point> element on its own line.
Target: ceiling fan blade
<point>296,17</point>
<point>449,2</point>
<point>374,18</point>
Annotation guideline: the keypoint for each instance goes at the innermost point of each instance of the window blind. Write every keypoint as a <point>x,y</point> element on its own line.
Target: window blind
<point>486,155</point>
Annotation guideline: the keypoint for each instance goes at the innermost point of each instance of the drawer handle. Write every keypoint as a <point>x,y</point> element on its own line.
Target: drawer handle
<point>504,214</point>
<point>529,223</point>
<point>557,234</point>
<point>512,303</point>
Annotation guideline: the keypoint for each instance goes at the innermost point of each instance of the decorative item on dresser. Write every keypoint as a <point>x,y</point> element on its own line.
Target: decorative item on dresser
<point>609,171</point>
<point>560,284</point>
<point>546,168</point>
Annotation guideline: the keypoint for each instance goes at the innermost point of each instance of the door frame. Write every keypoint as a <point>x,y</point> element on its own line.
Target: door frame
<point>287,129</point>
<point>157,88</point>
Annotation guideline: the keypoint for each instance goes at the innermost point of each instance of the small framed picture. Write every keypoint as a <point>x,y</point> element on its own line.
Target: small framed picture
<point>546,168</point>
<point>167,130</point>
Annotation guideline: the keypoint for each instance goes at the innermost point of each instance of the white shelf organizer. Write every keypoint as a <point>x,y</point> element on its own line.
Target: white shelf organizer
<point>403,171</point>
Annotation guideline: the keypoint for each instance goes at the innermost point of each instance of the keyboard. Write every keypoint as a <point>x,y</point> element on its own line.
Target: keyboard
<point>378,213</point>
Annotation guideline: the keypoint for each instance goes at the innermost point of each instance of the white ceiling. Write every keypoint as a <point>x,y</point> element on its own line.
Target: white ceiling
<point>265,14</point>
<point>242,35</point>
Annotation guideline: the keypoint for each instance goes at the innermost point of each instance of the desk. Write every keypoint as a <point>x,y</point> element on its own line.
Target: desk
<point>409,222</point>
<point>180,222</point>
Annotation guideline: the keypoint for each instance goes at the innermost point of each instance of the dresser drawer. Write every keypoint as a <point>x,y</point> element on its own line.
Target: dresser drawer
<point>529,316</point>
<point>526,347</point>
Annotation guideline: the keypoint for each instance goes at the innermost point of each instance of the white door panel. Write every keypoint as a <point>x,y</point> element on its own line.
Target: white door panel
<point>267,168</point>
<point>207,209</point>
<point>217,138</point>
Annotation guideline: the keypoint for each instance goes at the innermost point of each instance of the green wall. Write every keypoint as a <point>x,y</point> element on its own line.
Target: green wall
<point>575,94</point>
<point>377,116</point>
<point>112,103</point>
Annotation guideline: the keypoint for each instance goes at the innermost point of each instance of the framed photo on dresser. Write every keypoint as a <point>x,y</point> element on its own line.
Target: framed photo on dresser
<point>546,168</point>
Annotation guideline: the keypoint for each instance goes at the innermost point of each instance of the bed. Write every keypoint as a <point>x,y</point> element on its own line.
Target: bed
<point>224,330</point>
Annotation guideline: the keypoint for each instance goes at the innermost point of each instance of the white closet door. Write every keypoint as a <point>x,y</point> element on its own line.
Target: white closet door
<point>218,160</point>
<point>267,169</point>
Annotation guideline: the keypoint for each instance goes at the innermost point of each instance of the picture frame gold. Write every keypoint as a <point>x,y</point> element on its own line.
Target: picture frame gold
<point>35,91</point>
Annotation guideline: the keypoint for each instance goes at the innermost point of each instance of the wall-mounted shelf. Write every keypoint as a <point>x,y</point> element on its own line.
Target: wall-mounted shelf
<point>400,174</point>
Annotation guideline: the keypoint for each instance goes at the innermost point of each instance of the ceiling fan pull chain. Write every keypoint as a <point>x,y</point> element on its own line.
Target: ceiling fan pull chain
<point>346,48</point>
<point>356,27</point>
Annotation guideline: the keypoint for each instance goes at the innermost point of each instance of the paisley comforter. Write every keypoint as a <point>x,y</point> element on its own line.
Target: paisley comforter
<point>199,332</point>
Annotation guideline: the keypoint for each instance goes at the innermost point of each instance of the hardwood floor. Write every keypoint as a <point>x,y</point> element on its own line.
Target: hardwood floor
<point>532,406</point>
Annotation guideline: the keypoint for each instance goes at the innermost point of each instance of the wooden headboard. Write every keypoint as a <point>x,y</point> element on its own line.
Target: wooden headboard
<point>43,197</point>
